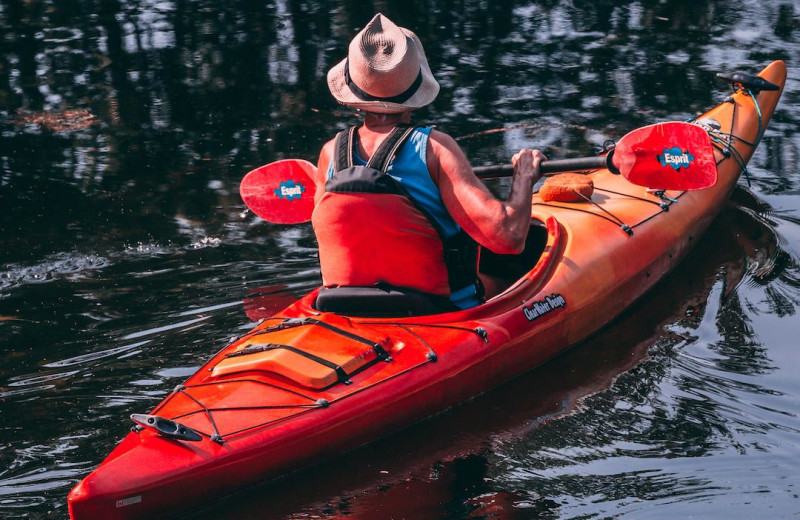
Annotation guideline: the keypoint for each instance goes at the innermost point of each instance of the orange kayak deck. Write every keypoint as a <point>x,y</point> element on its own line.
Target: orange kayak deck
<point>304,385</point>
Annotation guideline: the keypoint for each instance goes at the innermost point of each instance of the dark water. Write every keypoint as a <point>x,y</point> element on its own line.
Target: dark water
<point>126,256</point>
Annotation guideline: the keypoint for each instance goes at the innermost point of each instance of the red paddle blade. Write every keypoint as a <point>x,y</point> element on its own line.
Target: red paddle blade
<point>281,192</point>
<point>667,156</point>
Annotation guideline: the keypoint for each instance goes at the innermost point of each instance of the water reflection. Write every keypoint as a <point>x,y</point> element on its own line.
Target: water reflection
<point>125,128</point>
<point>188,96</point>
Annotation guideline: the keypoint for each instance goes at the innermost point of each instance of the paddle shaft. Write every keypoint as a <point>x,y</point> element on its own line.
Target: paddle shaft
<point>560,165</point>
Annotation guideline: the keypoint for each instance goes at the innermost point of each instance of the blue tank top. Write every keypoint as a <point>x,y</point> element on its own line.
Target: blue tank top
<point>410,168</point>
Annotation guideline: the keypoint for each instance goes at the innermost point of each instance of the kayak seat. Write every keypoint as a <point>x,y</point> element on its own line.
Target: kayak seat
<point>380,301</point>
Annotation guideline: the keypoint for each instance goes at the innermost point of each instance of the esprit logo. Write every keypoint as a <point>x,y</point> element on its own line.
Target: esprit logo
<point>676,158</point>
<point>289,190</point>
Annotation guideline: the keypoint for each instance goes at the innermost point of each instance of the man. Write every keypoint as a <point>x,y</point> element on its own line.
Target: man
<point>399,207</point>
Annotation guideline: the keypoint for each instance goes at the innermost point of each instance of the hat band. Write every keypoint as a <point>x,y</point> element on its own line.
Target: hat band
<point>399,98</point>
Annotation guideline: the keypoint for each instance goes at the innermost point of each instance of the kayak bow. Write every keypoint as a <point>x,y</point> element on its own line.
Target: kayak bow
<point>304,385</point>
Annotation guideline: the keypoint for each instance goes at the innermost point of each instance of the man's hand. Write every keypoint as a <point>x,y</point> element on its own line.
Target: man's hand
<point>526,163</point>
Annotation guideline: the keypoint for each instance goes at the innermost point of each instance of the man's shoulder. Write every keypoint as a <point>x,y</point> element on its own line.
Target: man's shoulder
<point>327,148</point>
<point>441,140</point>
<point>441,137</point>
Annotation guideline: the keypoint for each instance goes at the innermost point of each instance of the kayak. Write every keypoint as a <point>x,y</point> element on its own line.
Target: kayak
<point>304,385</point>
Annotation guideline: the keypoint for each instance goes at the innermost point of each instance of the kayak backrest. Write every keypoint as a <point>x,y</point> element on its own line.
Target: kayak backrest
<point>380,301</point>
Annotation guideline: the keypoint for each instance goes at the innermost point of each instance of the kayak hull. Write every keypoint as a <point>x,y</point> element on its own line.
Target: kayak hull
<point>266,405</point>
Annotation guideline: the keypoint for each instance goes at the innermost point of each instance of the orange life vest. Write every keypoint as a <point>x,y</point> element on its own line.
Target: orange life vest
<point>372,232</point>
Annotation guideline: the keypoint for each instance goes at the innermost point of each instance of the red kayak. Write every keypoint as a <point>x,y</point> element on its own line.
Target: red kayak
<point>305,385</point>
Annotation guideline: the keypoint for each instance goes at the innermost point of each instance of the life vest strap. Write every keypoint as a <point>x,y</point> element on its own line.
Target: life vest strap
<point>347,144</point>
<point>388,149</point>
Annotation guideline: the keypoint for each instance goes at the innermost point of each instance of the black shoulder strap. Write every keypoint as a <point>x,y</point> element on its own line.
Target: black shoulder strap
<point>388,149</point>
<point>345,149</point>
<point>346,142</point>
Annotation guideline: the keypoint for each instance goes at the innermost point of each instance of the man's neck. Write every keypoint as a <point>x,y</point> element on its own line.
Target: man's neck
<point>378,122</point>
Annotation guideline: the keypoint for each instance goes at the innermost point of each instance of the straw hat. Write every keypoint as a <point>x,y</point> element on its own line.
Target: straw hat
<point>385,71</point>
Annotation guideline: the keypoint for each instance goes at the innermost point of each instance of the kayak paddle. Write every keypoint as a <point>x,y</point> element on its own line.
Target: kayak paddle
<point>664,156</point>
<point>281,192</point>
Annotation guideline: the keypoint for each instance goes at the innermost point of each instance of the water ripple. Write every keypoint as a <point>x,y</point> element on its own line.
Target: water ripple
<point>70,266</point>
<point>95,355</point>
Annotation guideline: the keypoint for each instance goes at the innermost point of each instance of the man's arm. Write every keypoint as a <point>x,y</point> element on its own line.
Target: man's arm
<point>501,226</point>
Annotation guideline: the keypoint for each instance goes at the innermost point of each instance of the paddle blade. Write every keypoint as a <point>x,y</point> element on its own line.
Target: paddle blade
<point>667,156</point>
<point>281,192</point>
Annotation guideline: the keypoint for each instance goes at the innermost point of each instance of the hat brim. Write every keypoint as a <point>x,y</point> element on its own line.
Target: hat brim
<point>425,94</point>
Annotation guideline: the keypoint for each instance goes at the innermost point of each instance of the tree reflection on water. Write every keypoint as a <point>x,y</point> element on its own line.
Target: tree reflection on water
<point>126,126</point>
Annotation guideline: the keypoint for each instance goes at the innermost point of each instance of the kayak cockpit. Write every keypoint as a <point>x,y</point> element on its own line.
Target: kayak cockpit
<point>499,272</point>
<point>294,363</point>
